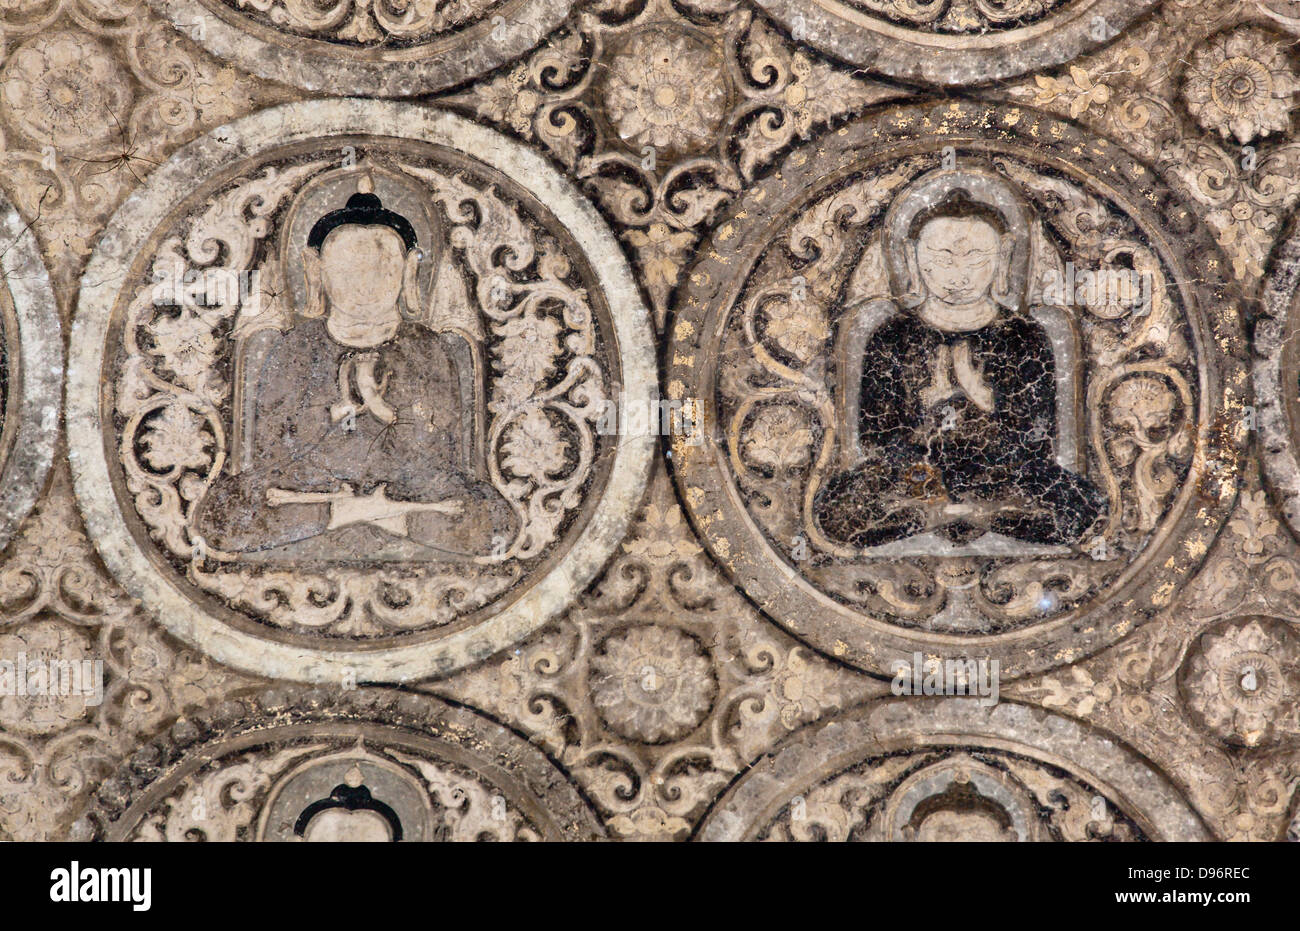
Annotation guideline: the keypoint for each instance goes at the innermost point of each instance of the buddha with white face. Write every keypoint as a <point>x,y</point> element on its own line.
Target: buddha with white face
<point>957,259</point>
<point>957,403</point>
<point>358,434</point>
<point>362,270</point>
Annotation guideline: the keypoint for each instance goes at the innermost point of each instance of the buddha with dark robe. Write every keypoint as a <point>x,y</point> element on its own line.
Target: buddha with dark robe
<point>956,415</point>
<point>358,428</point>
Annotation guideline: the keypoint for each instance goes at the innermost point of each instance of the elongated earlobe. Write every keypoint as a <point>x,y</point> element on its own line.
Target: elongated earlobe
<point>314,305</point>
<point>913,290</point>
<point>1002,281</point>
<point>410,300</point>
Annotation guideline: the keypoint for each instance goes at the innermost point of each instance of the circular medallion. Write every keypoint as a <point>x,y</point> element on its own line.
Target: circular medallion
<point>383,48</point>
<point>951,42</point>
<point>970,386</point>
<point>31,371</point>
<point>1240,681</point>
<point>340,395</point>
<point>58,86</point>
<point>951,770</point>
<point>652,684</point>
<point>649,103</point>
<point>1240,84</point>
<point>373,765</point>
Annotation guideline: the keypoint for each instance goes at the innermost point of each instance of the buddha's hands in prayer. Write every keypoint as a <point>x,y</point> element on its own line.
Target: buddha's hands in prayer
<point>955,363</point>
<point>347,507</point>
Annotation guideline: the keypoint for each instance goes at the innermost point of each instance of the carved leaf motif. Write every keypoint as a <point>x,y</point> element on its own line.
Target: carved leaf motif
<point>835,809</point>
<point>799,329</point>
<point>662,253</point>
<point>1246,206</point>
<point>540,320</point>
<point>219,806</point>
<point>533,448</point>
<point>527,352</point>
<point>360,604</point>
<point>793,93</point>
<point>537,99</point>
<point>471,810</point>
<point>1082,92</point>
<point>780,438</point>
<point>1140,368</point>
<point>188,349</point>
<point>176,439</point>
<point>185,345</point>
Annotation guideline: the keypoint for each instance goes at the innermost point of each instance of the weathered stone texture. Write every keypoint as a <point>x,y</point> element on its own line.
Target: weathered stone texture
<point>851,420</point>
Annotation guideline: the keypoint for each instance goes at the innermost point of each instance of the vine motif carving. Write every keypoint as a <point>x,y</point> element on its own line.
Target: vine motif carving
<point>364,22</point>
<point>666,194</point>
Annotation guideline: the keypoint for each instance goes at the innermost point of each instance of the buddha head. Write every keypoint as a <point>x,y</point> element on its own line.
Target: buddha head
<point>958,251</point>
<point>960,814</point>
<point>958,238</point>
<point>961,799</point>
<point>350,813</point>
<point>361,262</point>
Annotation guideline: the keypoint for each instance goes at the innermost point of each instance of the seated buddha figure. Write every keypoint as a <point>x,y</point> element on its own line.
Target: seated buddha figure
<point>957,414</point>
<point>356,439</point>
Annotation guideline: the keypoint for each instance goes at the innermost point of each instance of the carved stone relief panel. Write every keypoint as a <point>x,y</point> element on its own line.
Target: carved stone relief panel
<point>575,447</point>
<point>341,413</point>
<point>378,766</point>
<point>927,434</point>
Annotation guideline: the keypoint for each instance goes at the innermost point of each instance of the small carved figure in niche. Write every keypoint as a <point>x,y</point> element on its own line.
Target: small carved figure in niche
<point>957,413</point>
<point>358,426</point>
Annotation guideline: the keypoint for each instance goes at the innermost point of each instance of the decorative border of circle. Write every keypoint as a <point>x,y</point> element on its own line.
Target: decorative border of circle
<point>337,69</point>
<point>870,42</point>
<point>414,718</point>
<point>39,367</point>
<point>1278,402</point>
<point>136,221</point>
<point>824,749</point>
<point>739,545</point>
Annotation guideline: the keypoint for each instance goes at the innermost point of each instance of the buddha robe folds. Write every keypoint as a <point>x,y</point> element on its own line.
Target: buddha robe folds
<point>407,445</point>
<point>983,433</point>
